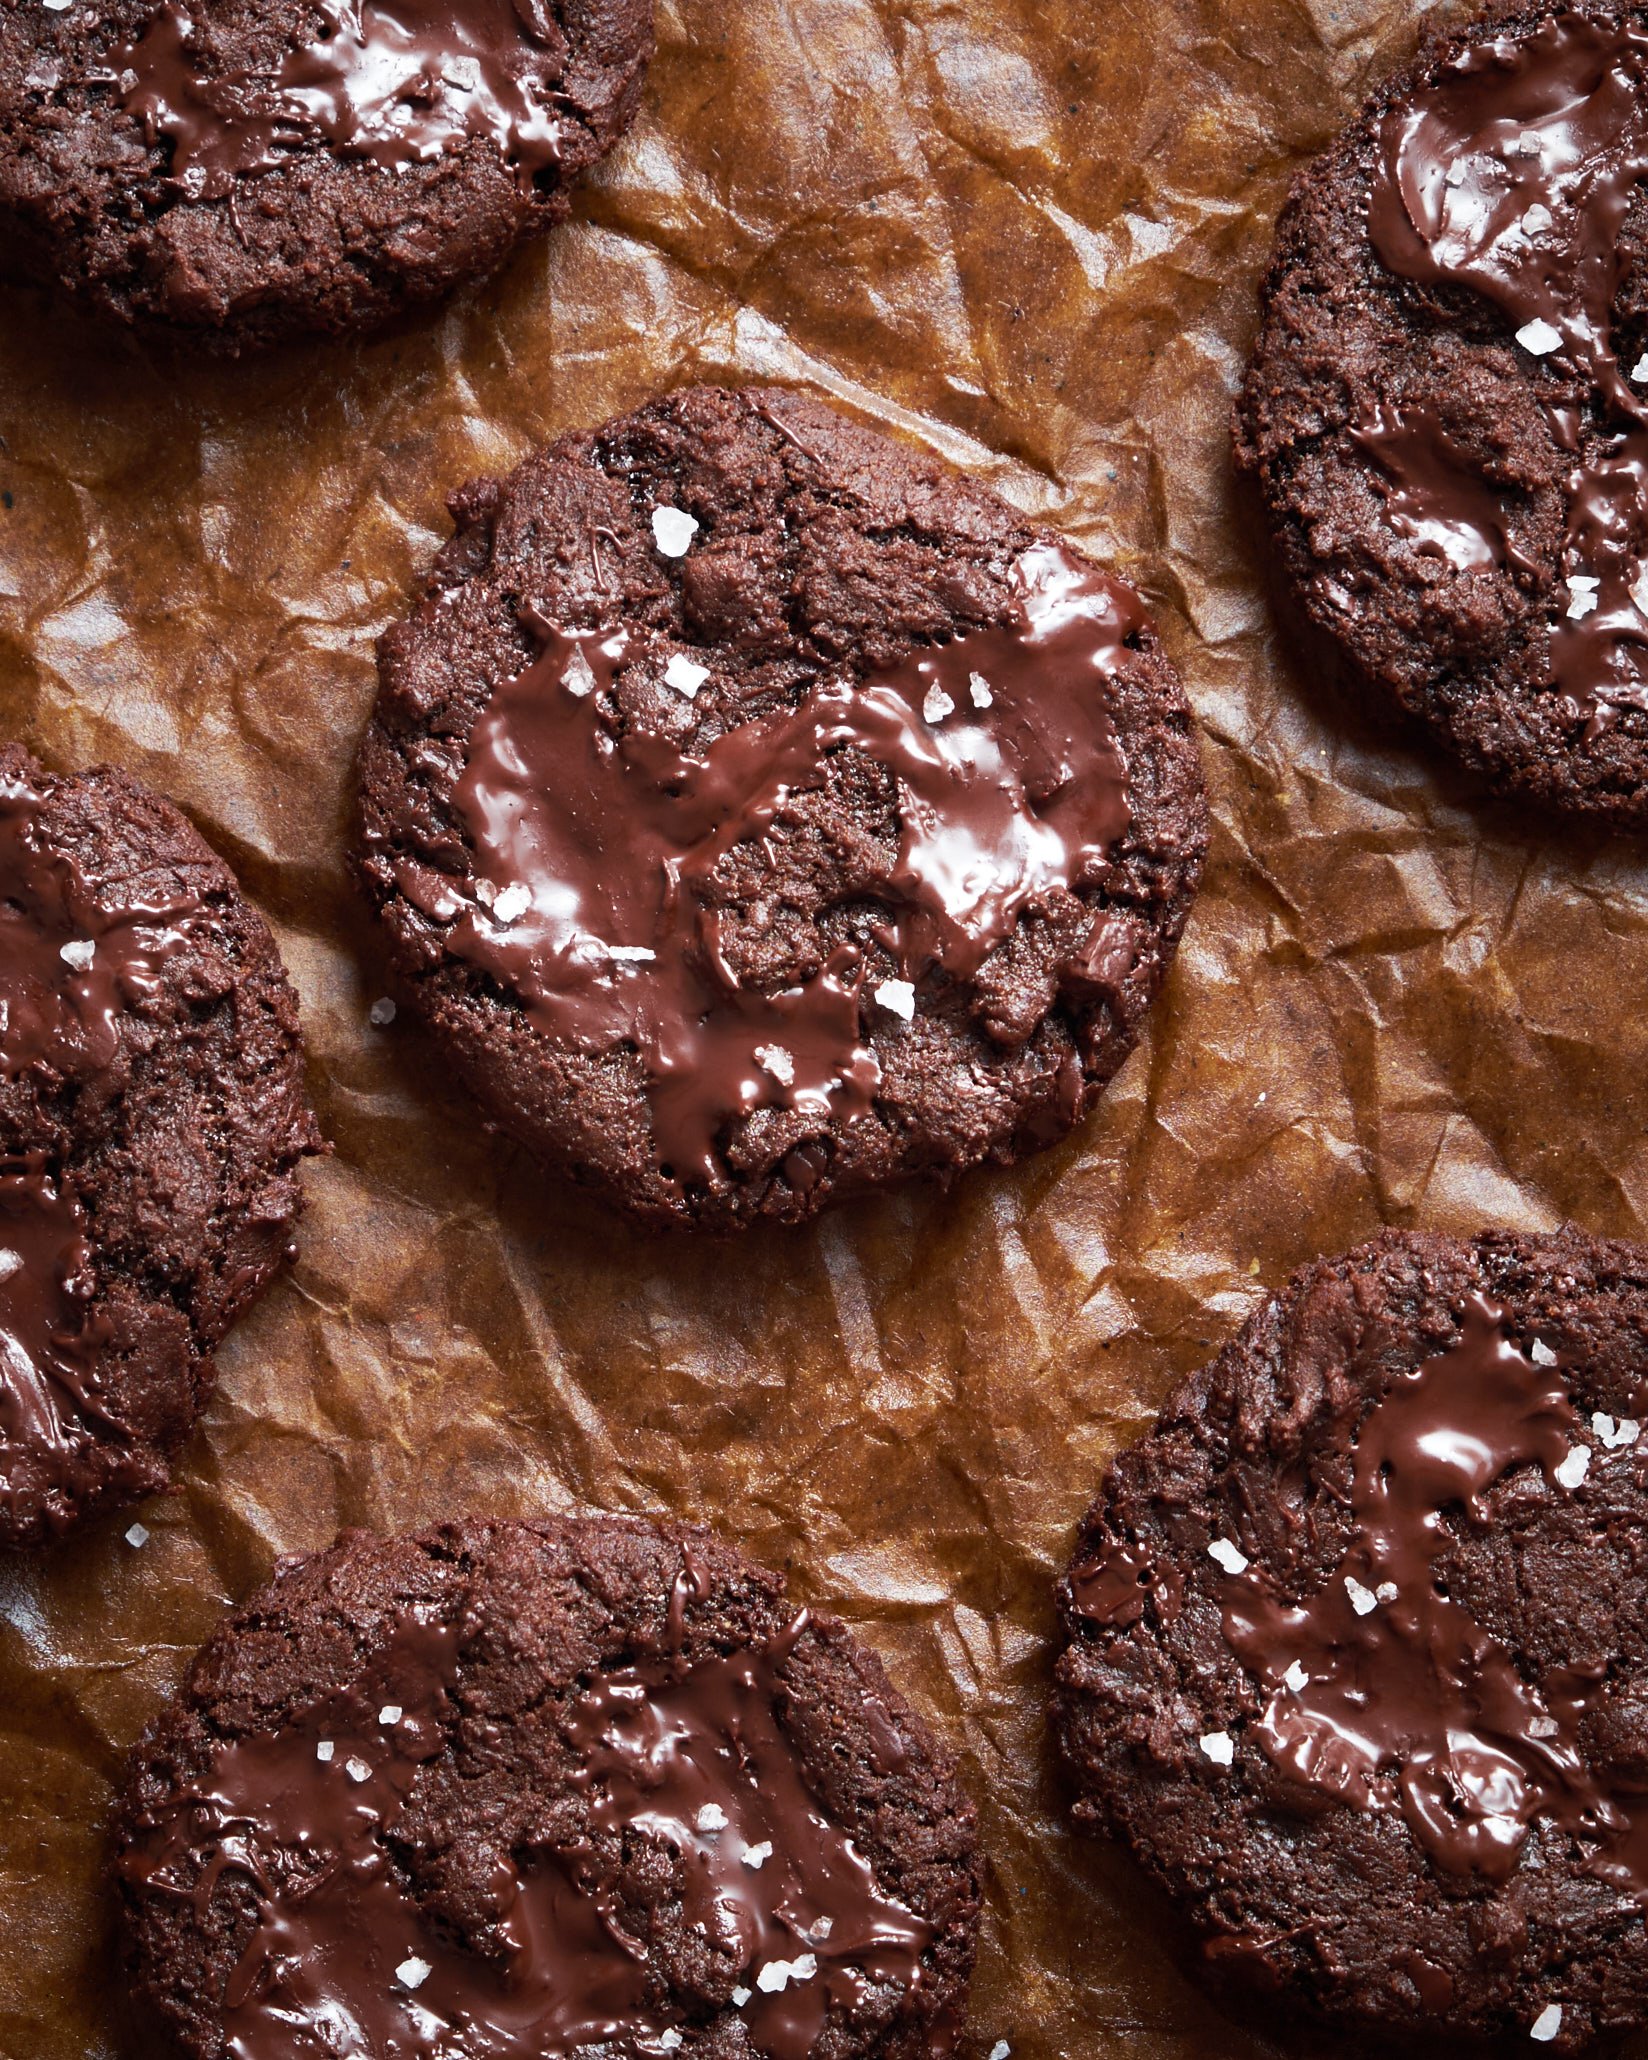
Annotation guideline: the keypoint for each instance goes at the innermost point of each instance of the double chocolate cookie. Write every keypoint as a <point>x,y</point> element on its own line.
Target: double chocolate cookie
<point>523,1790</point>
<point>246,170</point>
<point>1357,1657</point>
<point>761,812</point>
<point>152,1117</point>
<point>1447,408</point>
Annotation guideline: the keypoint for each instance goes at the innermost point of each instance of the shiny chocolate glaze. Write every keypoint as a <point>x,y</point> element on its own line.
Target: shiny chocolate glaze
<point>1381,1689</point>
<point>394,81</point>
<point>59,1023</point>
<point>1511,176</point>
<point>594,843</point>
<point>690,1758</point>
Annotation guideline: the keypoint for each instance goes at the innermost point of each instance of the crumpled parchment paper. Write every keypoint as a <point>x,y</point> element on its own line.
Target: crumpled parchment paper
<point>1026,233</point>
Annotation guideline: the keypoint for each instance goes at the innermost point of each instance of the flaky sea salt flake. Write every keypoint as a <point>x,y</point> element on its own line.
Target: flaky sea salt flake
<point>1547,2024</point>
<point>670,2041</point>
<point>1537,220</point>
<point>513,901</point>
<point>78,954</point>
<point>137,1537</point>
<point>1541,1354</point>
<point>1582,596</point>
<point>413,1972</point>
<point>10,1262</point>
<point>740,1996</point>
<point>1538,337</point>
<point>757,1856</point>
<point>1362,1600</point>
<point>1219,1746</point>
<point>1574,1468</point>
<point>1296,1678</point>
<point>324,1750</point>
<point>937,705</point>
<point>774,1059</point>
<point>1543,1727</point>
<point>978,688</point>
<point>1230,1557</point>
<point>1385,1592</point>
<point>673,530</point>
<point>357,1770</point>
<point>382,1013</point>
<point>711,1818</point>
<point>579,676</point>
<point>1000,2050</point>
<point>684,676</point>
<point>390,1715</point>
<point>898,997</point>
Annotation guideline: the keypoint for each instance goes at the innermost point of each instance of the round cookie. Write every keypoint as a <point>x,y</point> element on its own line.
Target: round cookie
<point>152,1116</point>
<point>1445,412</point>
<point>1357,1642</point>
<point>761,812</point>
<point>572,1784</point>
<point>242,171</point>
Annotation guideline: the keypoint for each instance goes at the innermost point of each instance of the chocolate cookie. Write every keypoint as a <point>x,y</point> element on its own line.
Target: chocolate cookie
<point>1447,408</point>
<point>521,1790</point>
<point>1357,1656</point>
<point>761,812</point>
<point>152,1116</point>
<point>242,171</point>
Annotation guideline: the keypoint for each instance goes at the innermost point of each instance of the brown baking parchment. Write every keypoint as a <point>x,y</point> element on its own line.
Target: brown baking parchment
<point>1025,233</point>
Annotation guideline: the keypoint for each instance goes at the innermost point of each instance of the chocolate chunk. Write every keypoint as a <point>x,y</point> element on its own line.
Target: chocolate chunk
<point>761,813</point>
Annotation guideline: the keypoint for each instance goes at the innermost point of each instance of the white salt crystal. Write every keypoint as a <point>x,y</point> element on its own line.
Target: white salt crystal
<point>1230,1557</point>
<point>1362,1600</point>
<point>137,1537</point>
<point>79,955</point>
<point>757,1855</point>
<point>579,676</point>
<point>774,1059</point>
<point>979,688</point>
<point>685,677</point>
<point>673,530</point>
<point>712,1818</point>
<point>357,1770</point>
<point>1573,1469</point>
<point>1541,1354</point>
<point>513,901</point>
<point>390,1715</point>
<point>898,997</point>
<point>1296,1678</point>
<point>10,1262</point>
<point>1547,2024</point>
<point>325,1750</point>
<point>937,705</point>
<point>1219,1746</point>
<point>382,1013</point>
<point>413,1972</point>
<point>1538,337</point>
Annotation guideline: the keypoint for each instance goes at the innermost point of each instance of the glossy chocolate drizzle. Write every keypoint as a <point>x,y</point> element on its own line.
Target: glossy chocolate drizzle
<point>593,845</point>
<point>395,81</point>
<point>1512,176</point>
<point>692,1759</point>
<point>59,1022</point>
<point>1383,1691</point>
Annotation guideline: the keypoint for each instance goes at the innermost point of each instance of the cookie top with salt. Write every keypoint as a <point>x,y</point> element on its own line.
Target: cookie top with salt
<point>1447,407</point>
<point>148,1047</point>
<point>1370,1595</point>
<point>523,1790</point>
<point>762,812</point>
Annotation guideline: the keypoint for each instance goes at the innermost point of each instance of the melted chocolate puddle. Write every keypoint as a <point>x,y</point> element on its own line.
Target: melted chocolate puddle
<point>395,81</point>
<point>59,1019</point>
<point>691,1759</point>
<point>1383,1691</point>
<point>593,847</point>
<point>1512,176</point>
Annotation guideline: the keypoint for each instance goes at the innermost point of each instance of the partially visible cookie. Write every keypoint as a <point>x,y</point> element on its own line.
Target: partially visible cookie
<point>1357,1642</point>
<point>523,1790</point>
<point>761,812</point>
<point>1446,411</point>
<point>242,171</point>
<point>152,1116</point>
